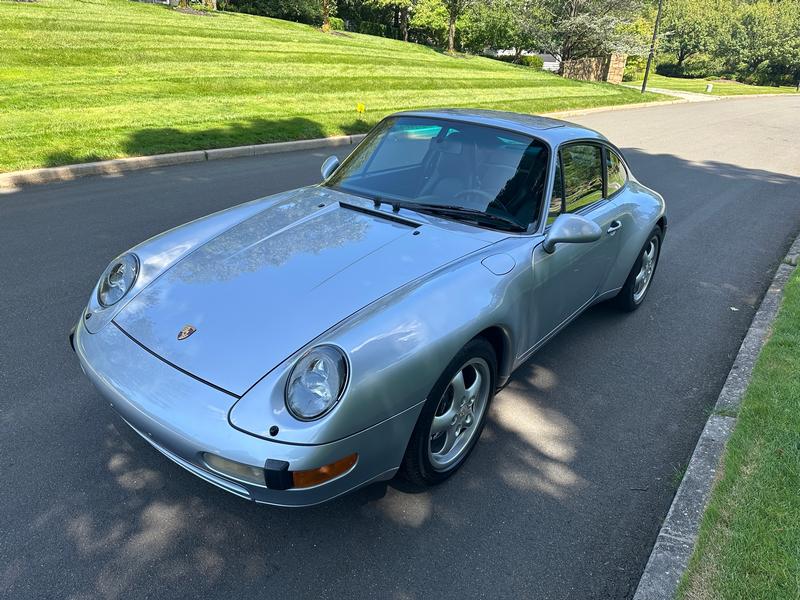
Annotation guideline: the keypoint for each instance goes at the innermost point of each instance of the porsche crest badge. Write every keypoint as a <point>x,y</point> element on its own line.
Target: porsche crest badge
<point>186,332</point>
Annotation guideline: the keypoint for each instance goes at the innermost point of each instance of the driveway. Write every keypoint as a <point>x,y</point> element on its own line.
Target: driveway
<point>562,498</point>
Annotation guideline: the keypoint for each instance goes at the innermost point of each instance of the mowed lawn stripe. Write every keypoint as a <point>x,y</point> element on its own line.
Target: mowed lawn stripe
<point>113,78</point>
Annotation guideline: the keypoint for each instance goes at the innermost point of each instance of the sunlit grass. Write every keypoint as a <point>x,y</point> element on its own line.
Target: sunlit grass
<point>93,79</point>
<point>749,543</point>
<point>720,87</point>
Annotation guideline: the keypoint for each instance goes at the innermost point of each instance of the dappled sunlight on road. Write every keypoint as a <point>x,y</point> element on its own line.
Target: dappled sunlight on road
<point>546,443</point>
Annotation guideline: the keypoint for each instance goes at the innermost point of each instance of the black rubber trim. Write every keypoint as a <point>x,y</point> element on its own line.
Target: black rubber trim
<point>277,474</point>
<point>380,213</point>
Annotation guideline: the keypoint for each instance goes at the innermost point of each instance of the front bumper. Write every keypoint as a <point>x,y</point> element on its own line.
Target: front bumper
<point>184,418</point>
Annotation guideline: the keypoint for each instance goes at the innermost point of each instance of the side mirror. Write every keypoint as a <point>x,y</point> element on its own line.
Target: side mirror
<point>329,166</point>
<point>572,229</point>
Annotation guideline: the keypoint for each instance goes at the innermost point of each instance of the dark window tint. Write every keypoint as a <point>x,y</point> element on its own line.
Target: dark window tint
<point>557,198</point>
<point>583,175</point>
<point>617,176</point>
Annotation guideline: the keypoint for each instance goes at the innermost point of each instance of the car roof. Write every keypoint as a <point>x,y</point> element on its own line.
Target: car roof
<point>551,130</point>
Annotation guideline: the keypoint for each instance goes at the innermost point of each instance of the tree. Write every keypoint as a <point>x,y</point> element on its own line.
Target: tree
<point>579,28</point>
<point>763,44</point>
<point>691,27</point>
<point>504,25</point>
<point>455,8</point>
<point>402,8</point>
<point>429,22</point>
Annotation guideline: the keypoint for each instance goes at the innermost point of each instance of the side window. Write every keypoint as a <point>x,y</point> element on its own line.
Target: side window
<point>616,176</point>
<point>557,197</point>
<point>583,175</point>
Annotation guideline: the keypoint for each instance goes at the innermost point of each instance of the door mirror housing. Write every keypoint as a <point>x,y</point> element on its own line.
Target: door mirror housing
<point>571,229</point>
<point>329,166</point>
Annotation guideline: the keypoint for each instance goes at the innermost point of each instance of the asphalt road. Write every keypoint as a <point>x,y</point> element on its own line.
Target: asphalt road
<point>563,496</point>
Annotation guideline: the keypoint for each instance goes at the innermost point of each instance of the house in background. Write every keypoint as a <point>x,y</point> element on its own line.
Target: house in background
<point>551,63</point>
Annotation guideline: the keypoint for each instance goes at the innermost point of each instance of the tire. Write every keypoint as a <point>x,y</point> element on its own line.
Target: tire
<point>630,297</point>
<point>427,460</point>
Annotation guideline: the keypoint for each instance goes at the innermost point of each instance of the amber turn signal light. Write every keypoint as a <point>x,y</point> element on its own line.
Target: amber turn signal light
<point>304,479</point>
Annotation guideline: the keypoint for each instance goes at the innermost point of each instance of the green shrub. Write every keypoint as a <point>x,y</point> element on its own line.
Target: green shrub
<point>378,29</point>
<point>534,62</point>
<point>697,67</point>
<point>634,68</point>
<point>303,11</point>
<point>337,24</point>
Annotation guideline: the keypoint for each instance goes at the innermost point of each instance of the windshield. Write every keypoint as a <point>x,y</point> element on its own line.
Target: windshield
<point>427,163</point>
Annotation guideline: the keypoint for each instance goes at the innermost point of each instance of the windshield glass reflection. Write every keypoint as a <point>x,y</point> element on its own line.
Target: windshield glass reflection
<point>439,163</point>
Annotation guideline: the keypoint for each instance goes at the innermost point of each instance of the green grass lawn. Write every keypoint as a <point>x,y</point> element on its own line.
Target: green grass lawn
<point>721,87</point>
<point>749,546</point>
<point>84,80</point>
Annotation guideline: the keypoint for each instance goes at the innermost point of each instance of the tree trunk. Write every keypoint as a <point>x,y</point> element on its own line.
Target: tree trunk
<point>212,4</point>
<point>404,22</point>
<point>451,34</point>
<point>183,4</point>
<point>326,16</point>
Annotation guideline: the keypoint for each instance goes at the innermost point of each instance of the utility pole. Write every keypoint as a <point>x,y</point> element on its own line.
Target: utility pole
<point>652,47</point>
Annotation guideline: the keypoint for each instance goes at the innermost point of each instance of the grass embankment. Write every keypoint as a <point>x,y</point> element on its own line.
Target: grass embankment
<point>749,544</point>
<point>721,87</point>
<point>99,79</point>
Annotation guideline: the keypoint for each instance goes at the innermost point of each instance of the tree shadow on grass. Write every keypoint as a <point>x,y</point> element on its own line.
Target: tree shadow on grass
<point>163,140</point>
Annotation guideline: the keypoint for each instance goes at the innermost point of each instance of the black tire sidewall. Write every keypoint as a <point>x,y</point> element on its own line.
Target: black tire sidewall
<point>417,466</point>
<point>625,299</point>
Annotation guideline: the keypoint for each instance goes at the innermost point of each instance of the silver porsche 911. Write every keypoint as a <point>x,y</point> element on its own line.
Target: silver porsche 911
<point>297,347</point>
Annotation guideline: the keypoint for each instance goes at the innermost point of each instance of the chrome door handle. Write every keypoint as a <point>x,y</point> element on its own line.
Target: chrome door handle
<point>615,225</point>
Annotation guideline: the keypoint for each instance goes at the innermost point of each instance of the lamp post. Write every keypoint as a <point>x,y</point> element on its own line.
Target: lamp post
<point>652,47</point>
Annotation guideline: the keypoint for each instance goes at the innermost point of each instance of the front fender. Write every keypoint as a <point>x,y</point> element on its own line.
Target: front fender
<point>397,348</point>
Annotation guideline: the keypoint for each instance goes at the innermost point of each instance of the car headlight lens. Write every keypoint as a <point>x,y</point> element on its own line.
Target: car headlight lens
<point>117,279</point>
<point>316,382</point>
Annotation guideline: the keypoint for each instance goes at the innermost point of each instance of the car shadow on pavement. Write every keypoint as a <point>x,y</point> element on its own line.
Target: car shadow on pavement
<point>562,497</point>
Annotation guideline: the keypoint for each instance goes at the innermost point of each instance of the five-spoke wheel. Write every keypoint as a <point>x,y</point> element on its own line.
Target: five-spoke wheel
<point>452,419</point>
<point>462,406</point>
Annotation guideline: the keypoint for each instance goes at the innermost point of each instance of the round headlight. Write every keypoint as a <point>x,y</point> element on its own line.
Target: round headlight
<point>117,279</point>
<point>316,382</point>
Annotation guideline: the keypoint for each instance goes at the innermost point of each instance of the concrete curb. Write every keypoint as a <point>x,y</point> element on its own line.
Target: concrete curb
<point>678,536</point>
<point>17,179</point>
<point>587,111</point>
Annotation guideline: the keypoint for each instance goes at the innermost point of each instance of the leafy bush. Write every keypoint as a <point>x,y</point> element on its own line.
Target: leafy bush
<point>303,11</point>
<point>337,24</point>
<point>534,62</point>
<point>634,68</point>
<point>378,29</point>
<point>698,67</point>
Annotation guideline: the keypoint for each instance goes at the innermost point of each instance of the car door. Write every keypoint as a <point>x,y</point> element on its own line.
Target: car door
<point>567,280</point>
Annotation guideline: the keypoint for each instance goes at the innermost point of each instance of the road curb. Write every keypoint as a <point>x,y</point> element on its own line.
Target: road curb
<point>16,179</point>
<point>678,535</point>
<point>588,111</point>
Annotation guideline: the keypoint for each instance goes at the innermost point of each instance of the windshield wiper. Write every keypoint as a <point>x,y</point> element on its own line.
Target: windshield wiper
<point>458,212</point>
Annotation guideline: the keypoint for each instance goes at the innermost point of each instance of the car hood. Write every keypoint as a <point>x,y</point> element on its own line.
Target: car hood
<point>266,287</point>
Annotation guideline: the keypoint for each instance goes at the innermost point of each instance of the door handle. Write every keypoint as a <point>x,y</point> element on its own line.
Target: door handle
<point>615,225</point>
